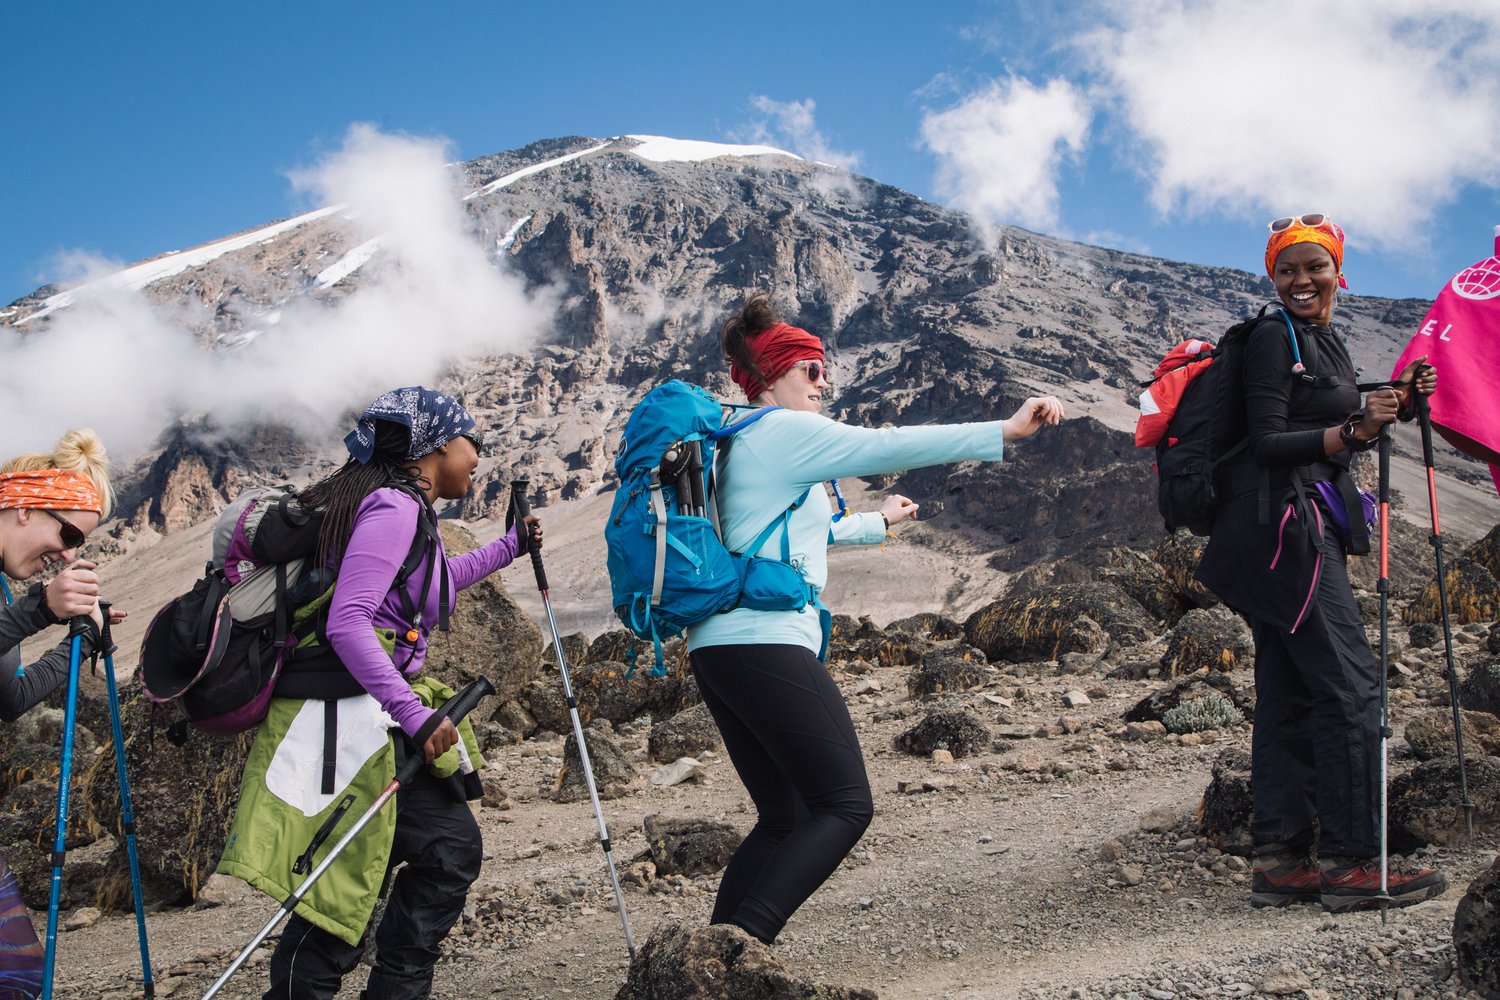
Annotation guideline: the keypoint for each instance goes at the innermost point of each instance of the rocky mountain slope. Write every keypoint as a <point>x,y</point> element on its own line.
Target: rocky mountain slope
<point>643,244</point>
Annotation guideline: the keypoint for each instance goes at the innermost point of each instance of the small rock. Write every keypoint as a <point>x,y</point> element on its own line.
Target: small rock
<point>1076,699</point>
<point>82,918</point>
<point>1284,980</point>
<point>677,772</point>
<point>942,757</point>
<point>1132,874</point>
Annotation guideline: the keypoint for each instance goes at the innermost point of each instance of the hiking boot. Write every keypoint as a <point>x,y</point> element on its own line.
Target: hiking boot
<point>1282,877</point>
<point>1354,884</point>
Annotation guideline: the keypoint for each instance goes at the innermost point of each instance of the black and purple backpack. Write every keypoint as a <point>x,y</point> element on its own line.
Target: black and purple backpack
<point>253,627</point>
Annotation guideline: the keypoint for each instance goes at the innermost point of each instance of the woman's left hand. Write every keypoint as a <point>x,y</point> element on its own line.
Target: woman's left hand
<point>898,508</point>
<point>1418,375</point>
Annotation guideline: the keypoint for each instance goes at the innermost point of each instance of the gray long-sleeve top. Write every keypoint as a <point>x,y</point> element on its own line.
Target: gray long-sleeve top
<point>18,621</point>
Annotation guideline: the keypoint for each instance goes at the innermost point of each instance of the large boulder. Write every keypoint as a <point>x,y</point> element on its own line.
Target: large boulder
<point>686,734</point>
<point>1426,807</point>
<point>928,624</point>
<point>948,670</point>
<point>1430,734</point>
<point>1050,621</point>
<point>1232,687</point>
<point>1473,596</point>
<point>850,639</point>
<point>611,768</point>
<point>604,689</point>
<point>1207,638</point>
<point>682,962</point>
<point>1480,691</point>
<point>1476,935</point>
<point>1146,580</point>
<point>1224,815</point>
<point>1179,555</point>
<point>489,634</point>
<point>961,733</point>
<point>184,797</point>
<point>687,846</point>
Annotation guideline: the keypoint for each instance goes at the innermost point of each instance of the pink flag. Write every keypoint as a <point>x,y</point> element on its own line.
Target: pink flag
<point>1461,338</point>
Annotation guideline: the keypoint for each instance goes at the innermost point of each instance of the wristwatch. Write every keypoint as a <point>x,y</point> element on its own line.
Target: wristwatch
<point>1348,437</point>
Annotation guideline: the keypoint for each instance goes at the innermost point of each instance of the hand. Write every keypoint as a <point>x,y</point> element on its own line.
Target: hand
<point>898,508</point>
<point>534,531</point>
<point>1381,407</point>
<point>1420,376</point>
<point>75,591</point>
<point>1035,413</point>
<point>440,741</point>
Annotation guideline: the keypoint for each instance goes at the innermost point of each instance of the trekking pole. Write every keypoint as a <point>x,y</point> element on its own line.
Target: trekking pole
<point>1383,588</point>
<point>127,806</point>
<point>455,708</point>
<point>1424,418</point>
<point>76,630</point>
<point>521,508</point>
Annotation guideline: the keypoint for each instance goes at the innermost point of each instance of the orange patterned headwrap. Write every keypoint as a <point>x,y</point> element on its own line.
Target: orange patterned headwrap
<point>49,489</point>
<point>1326,234</point>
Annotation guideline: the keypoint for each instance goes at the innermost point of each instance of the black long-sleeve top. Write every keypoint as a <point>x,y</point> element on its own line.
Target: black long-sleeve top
<point>1285,416</point>
<point>18,621</point>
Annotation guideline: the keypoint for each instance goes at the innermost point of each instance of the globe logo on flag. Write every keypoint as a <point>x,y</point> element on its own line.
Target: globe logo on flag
<point>1482,281</point>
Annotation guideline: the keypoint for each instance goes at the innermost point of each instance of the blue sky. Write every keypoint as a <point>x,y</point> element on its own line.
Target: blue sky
<point>1170,128</point>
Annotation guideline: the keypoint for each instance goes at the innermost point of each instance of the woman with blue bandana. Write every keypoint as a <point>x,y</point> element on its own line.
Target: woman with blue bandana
<point>411,447</point>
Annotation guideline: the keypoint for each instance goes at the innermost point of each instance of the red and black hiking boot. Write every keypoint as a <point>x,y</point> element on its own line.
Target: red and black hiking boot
<point>1282,877</point>
<point>1354,884</point>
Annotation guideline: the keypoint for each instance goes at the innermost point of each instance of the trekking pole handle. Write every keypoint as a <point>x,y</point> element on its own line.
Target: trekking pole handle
<point>454,709</point>
<point>104,639</point>
<point>522,509</point>
<point>1424,417</point>
<point>1385,463</point>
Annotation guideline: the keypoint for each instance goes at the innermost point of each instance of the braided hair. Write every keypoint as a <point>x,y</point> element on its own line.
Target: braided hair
<point>754,316</point>
<point>339,495</point>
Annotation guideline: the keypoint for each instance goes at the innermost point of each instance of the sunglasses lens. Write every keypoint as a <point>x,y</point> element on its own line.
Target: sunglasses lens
<point>1279,224</point>
<point>1314,220</point>
<point>72,536</point>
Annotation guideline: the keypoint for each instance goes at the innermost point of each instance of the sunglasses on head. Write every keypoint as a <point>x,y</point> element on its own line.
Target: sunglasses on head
<point>72,535</point>
<point>1313,220</point>
<point>815,370</point>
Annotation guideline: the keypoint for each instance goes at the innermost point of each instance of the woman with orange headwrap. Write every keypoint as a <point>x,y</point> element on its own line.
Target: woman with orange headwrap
<point>1315,750</point>
<point>48,505</point>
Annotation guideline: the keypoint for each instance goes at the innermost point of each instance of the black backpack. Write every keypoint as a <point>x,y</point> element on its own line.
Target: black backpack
<point>254,626</point>
<point>1201,393</point>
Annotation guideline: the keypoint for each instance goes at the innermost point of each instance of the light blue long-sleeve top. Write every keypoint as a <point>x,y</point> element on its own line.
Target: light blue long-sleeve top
<point>775,459</point>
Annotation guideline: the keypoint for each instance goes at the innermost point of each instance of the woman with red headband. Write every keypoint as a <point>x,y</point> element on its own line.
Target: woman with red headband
<point>48,505</point>
<point>1315,750</point>
<point>784,723</point>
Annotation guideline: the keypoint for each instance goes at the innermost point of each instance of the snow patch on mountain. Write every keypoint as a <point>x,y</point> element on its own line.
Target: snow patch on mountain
<point>662,149</point>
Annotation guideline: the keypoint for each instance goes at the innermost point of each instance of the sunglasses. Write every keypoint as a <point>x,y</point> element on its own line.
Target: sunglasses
<point>815,370</point>
<point>72,535</point>
<point>1313,220</point>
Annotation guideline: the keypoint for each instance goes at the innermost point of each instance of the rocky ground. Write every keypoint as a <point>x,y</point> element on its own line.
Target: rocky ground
<point>1060,860</point>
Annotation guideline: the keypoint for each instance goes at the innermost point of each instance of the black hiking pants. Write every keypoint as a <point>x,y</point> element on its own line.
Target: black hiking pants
<point>1315,750</point>
<point>789,735</point>
<point>438,839</point>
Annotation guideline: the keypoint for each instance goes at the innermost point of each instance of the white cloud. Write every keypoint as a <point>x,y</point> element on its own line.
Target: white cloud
<point>1377,111</point>
<point>430,297</point>
<point>791,125</point>
<point>1000,148</point>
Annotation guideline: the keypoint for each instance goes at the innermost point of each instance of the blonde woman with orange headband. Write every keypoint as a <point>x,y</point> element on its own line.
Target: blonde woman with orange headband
<point>49,502</point>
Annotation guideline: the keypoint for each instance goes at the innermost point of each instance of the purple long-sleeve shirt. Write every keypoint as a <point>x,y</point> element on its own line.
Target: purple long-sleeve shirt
<point>365,599</point>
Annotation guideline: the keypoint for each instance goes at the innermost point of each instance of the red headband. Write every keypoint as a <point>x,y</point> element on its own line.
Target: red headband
<point>774,351</point>
<point>49,489</point>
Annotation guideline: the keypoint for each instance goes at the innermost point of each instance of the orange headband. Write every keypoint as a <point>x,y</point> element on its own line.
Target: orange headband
<point>49,489</point>
<point>1327,235</point>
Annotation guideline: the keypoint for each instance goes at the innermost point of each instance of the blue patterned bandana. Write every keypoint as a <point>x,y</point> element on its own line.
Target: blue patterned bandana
<point>434,418</point>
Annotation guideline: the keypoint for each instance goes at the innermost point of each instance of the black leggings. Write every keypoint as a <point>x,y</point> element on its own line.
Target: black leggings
<point>789,734</point>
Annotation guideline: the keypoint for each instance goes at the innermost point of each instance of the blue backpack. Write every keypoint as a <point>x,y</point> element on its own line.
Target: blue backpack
<point>668,568</point>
